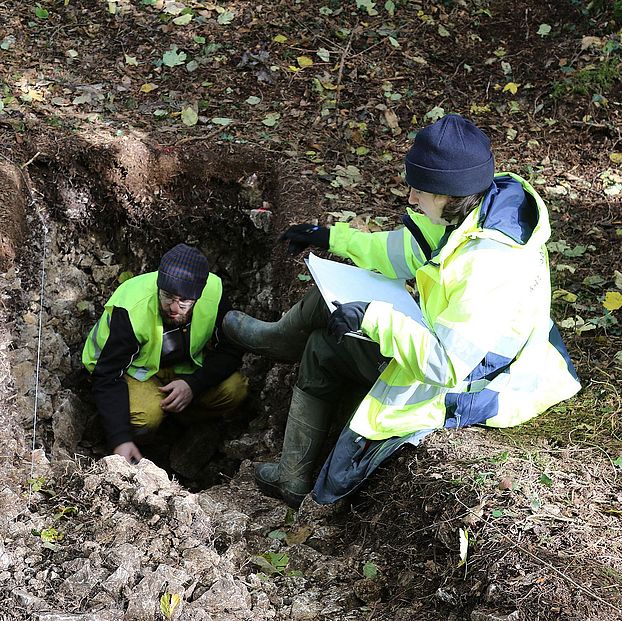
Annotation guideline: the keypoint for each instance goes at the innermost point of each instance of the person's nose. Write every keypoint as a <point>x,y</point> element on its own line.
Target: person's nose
<point>412,198</point>
<point>175,308</point>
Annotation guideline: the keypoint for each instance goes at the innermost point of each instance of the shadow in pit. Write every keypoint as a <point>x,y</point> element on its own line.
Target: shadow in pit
<point>114,208</point>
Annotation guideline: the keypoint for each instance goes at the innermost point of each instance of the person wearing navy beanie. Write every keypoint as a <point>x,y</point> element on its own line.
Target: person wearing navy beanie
<point>484,350</point>
<point>157,351</point>
<point>451,157</point>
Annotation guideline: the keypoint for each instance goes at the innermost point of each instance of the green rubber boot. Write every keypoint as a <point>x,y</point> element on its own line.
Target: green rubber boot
<point>284,339</point>
<point>307,427</point>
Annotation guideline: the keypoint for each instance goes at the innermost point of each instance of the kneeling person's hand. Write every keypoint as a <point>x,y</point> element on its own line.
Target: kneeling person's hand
<point>346,318</point>
<point>130,451</point>
<point>178,396</point>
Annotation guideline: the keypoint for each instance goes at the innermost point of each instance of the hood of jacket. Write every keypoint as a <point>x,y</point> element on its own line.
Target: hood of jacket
<point>511,212</point>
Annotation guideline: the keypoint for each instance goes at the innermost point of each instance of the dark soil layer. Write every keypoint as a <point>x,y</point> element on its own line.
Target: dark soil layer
<point>126,127</point>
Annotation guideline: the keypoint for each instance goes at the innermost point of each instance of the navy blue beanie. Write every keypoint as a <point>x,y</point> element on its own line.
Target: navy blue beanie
<point>183,271</point>
<point>450,157</point>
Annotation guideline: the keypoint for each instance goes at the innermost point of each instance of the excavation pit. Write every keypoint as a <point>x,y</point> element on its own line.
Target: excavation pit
<point>100,212</point>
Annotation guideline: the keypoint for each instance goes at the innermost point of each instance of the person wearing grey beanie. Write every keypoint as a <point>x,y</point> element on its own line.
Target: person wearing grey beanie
<point>158,351</point>
<point>483,351</point>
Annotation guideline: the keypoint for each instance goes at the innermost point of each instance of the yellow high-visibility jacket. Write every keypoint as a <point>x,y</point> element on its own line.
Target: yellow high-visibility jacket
<point>139,297</point>
<point>486,350</point>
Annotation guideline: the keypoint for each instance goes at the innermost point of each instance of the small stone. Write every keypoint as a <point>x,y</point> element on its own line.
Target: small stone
<point>368,590</point>
<point>261,218</point>
<point>505,483</point>
<point>304,608</point>
<point>480,615</point>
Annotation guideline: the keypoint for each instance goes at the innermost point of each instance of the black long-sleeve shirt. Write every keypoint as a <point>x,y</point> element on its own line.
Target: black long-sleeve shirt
<point>220,360</point>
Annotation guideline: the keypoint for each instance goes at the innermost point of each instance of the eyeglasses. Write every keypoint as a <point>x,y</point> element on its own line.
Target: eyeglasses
<point>168,298</point>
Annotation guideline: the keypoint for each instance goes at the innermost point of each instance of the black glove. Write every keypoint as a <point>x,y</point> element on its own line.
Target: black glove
<point>300,236</point>
<point>346,318</point>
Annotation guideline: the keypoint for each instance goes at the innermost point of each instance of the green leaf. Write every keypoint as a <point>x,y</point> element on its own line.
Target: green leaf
<point>279,38</point>
<point>65,512</point>
<point>271,119</point>
<point>41,13</point>
<point>7,42</point>
<point>51,535</point>
<point>271,562</point>
<point>193,65</point>
<point>544,30</point>
<point>217,120</point>
<point>304,61</point>
<point>168,603</point>
<point>435,114</point>
<point>389,7</point>
<point>226,17</point>
<point>290,517</point>
<point>131,60</point>
<point>183,20</point>
<point>323,54</point>
<point>566,296</point>
<point>36,484</point>
<point>501,458</point>
<point>613,300</point>
<point>370,571</point>
<point>545,480</point>
<point>362,150</point>
<point>198,39</point>
<point>497,513</point>
<point>304,277</point>
<point>123,276</point>
<point>253,101</point>
<point>617,462</point>
<point>593,281</point>
<point>189,116</point>
<point>279,535</point>
<point>263,564</point>
<point>368,5</point>
<point>443,31</point>
<point>173,58</point>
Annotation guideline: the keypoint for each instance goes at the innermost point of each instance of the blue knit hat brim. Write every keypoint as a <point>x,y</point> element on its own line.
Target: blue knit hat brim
<point>451,157</point>
<point>462,182</point>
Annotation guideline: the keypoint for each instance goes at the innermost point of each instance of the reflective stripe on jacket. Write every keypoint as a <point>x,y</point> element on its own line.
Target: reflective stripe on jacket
<point>139,297</point>
<point>486,350</point>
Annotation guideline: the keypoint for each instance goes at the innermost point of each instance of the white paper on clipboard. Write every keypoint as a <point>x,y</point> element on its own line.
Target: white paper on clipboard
<point>347,283</point>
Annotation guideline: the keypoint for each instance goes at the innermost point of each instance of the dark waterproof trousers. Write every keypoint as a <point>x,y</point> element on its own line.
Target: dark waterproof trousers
<point>328,368</point>
<point>337,372</point>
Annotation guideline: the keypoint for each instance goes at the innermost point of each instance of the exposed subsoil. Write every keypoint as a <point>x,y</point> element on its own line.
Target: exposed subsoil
<point>114,148</point>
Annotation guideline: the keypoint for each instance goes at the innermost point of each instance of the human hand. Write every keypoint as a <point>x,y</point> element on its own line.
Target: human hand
<point>346,318</point>
<point>178,396</point>
<point>130,451</point>
<point>300,236</point>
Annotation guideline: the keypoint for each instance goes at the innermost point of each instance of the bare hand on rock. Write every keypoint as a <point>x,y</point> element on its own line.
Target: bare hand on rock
<point>130,451</point>
<point>178,398</point>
